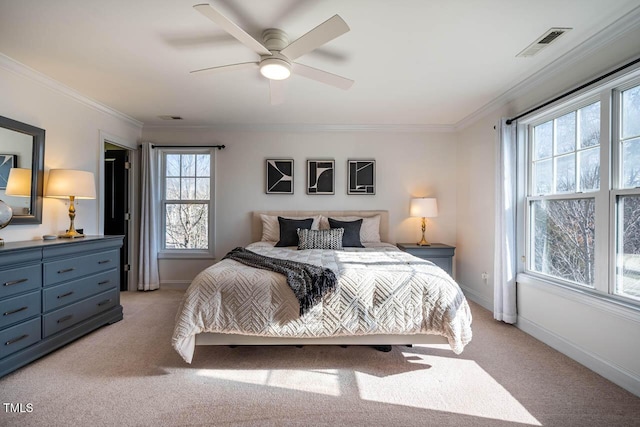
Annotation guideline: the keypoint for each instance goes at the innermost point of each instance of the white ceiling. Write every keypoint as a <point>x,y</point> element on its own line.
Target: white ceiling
<point>414,62</point>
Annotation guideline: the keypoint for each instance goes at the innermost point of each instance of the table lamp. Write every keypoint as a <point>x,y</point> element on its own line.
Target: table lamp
<point>424,207</point>
<point>19,184</point>
<point>74,184</point>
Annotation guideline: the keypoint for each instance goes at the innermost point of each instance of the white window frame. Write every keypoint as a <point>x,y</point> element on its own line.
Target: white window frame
<point>606,259</point>
<point>164,253</point>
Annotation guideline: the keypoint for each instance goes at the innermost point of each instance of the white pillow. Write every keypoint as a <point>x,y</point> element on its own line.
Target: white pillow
<point>271,226</point>
<point>369,232</point>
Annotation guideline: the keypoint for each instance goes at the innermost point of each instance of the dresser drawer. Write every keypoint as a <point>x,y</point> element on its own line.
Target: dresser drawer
<point>79,311</point>
<point>61,295</point>
<point>19,337</point>
<point>72,268</point>
<point>16,309</point>
<point>18,280</point>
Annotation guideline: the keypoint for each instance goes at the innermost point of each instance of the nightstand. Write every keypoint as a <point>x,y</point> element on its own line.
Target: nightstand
<point>438,253</point>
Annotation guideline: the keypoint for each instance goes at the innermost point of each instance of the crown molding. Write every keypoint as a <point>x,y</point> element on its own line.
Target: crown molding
<point>302,128</point>
<point>22,70</point>
<point>607,35</point>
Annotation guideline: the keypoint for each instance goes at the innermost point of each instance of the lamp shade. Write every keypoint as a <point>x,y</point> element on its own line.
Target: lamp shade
<point>68,182</point>
<point>424,207</point>
<point>19,182</point>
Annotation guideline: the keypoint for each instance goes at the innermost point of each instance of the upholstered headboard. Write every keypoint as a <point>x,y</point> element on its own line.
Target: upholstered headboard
<point>256,222</point>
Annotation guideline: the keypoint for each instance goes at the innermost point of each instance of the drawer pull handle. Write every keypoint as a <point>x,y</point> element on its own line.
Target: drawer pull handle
<point>104,282</point>
<point>15,282</point>
<point>65,295</point>
<point>15,340</point>
<point>7,313</point>
<point>65,318</point>
<point>104,261</point>
<point>66,270</point>
<point>107,301</point>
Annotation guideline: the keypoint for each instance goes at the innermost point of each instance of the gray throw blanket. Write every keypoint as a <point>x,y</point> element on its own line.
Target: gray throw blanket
<point>308,282</point>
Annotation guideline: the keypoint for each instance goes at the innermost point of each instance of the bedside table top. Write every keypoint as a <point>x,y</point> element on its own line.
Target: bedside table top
<point>416,246</point>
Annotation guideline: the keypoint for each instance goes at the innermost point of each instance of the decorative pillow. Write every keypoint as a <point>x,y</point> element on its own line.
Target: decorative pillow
<point>288,230</point>
<point>351,236</point>
<point>271,227</point>
<point>369,232</point>
<point>320,239</point>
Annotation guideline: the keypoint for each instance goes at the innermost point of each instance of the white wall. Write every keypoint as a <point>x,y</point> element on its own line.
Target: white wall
<point>407,164</point>
<point>602,336</point>
<point>72,141</point>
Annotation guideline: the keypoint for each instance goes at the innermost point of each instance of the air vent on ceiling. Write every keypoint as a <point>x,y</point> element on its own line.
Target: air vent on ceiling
<point>543,41</point>
<point>170,117</point>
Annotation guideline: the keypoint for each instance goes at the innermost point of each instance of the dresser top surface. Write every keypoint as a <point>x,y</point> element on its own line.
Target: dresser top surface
<point>41,243</point>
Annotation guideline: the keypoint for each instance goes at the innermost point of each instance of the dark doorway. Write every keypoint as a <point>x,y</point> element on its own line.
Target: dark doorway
<point>116,204</point>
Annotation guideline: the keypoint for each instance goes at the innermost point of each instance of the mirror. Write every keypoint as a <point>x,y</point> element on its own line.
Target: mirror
<point>22,146</point>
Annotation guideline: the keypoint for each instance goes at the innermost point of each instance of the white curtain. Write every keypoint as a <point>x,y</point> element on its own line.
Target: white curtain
<point>504,293</point>
<point>148,277</point>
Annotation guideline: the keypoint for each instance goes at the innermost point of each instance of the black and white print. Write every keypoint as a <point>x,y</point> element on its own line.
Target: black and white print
<point>320,176</point>
<point>362,177</point>
<point>279,176</point>
<point>7,161</point>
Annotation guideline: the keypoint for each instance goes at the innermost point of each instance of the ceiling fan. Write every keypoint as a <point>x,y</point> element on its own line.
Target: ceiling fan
<point>277,55</point>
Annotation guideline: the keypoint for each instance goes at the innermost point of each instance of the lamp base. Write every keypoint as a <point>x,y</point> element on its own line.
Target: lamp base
<point>423,242</point>
<point>71,234</point>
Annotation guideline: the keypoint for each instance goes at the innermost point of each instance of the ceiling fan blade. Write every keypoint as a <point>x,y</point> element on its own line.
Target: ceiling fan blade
<point>323,33</point>
<point>276,88</point>
<point>322,76</point>
<point>230,27</point>
<point>230,67</point>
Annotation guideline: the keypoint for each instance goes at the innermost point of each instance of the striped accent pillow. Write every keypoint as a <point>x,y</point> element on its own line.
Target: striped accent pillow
<point>320,239</point>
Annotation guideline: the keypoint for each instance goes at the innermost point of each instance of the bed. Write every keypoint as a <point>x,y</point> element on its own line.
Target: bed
<point>383,296</point>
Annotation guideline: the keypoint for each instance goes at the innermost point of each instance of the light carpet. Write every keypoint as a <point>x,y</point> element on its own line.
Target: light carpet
<point>127,374</point>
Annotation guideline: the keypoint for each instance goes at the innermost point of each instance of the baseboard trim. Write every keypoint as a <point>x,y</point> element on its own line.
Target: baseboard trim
<point>616,374</point>
<point>476,297</point>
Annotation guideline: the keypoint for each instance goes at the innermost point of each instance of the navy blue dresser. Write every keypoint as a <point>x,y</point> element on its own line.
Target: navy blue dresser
<point>53,292</point>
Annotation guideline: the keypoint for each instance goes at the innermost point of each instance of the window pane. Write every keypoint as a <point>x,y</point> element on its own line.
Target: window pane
<point>631,113</point>
<point>186,226</point>
<point>631,163</point>
<point>589,169</point>
<point>566,133</point>
<point>202,188</point>
<point>172,189</point>
<point>173,164</point>
<point>563,239</point>
<point>188,189</point>
<point>203,162</point>
<point>628,278</point>
<point>543,177</point>
<point>566,173</point>
<point>590,125</point>
<point>188,165</point>
<point>543,141</point>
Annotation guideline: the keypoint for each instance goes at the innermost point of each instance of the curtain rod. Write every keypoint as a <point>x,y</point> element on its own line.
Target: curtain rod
<point>572,91</point>
<point>219,147</point>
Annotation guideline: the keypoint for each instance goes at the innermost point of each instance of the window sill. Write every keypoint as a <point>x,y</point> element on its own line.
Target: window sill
<point>185,255</point>
<point>609,303</point>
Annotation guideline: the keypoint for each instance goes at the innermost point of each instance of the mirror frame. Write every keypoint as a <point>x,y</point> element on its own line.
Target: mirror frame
<point>37,169</point>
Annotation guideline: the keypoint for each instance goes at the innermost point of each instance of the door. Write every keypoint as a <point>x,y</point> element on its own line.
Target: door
<point>116,204</point>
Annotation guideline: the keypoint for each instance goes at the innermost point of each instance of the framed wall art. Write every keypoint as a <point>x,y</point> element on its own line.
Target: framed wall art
<point>321,176</point>
<point>279,176</point>
<point>7,161</point>
<point>362,177</point>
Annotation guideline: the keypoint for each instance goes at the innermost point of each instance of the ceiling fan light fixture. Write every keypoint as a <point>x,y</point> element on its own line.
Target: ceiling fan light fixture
<point>275,69</point>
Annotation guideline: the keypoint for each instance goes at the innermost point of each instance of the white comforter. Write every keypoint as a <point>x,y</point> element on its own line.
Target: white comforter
<point>381,290</point>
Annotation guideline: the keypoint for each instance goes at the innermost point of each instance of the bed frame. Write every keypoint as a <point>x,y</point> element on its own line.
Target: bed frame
<point>210,338</point>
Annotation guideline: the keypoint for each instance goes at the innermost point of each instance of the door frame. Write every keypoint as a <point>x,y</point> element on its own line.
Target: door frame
<point>132,148</point>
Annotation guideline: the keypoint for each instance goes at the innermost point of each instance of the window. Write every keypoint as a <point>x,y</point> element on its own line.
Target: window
<point>627,195</point>
<point>582,188</point>
<point>186,201</point>
<point>565,168</point>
